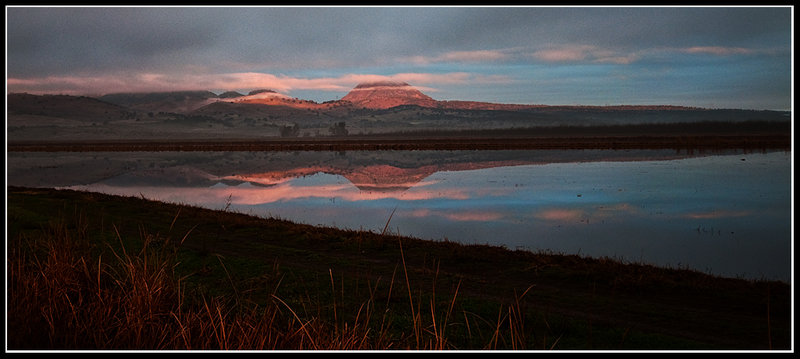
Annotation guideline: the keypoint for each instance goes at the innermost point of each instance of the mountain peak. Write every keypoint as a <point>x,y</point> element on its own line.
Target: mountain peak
<point>387,94</point>
<point>384,83</point>
<point>254,92</point>
<point>230,94</point>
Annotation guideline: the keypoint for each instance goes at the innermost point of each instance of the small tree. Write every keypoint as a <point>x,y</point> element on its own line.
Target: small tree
<point>338,129</point>
<point>290,131</point>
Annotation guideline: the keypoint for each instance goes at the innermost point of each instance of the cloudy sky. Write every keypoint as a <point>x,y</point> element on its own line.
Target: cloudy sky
<point>714,57</point>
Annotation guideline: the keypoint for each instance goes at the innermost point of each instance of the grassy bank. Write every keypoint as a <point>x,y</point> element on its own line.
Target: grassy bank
<point>92,271</point>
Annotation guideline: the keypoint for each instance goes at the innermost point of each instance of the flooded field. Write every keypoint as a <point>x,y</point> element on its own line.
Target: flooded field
<point>726,213</point>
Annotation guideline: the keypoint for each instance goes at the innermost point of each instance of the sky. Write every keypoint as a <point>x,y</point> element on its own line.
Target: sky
<point>710,57</point>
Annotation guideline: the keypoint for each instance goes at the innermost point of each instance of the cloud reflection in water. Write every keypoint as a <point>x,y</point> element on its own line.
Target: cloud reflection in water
<point>652,211</point>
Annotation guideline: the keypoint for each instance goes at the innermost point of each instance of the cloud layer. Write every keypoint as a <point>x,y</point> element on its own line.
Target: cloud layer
<point>499,54</point>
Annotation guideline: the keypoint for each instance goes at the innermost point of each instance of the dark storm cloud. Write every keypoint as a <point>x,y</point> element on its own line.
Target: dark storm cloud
<point>618,27</point>
<point>93,49</point>
<point>59,40</point>
<point>64,40</point>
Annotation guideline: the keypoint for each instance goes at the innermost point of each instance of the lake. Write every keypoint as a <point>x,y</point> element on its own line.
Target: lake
<point>727,213</point>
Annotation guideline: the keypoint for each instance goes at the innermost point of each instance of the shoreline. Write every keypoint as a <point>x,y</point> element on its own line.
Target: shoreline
<point>410,143</point>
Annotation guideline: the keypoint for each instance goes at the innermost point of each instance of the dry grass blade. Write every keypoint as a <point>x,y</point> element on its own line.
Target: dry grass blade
<point>302,325</point>
<point>230,279</point>
<point>333,296</point>
<point>187,234</point>
<point>174,219</point>
<point>383,232</point>
<point>183,332</point>
<point>447,316</point>
<point>414,315</point>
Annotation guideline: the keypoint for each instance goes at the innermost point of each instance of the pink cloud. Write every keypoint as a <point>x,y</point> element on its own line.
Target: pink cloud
<point>717,50</point>
<point>589,53</point>
<point>474,216</point>
<point>587,214</point>
<point>560,214</point>
<point>620,60</point>
<point>143,82</point>
<point>459,216</point>
<point>277,192</point>
<point>594,54</point>
<point>475,56</point>
<point>460,56</point>
<point>717,214</point>
<point>70,85</point>
<point>564,54</point>
<point>423,212</point>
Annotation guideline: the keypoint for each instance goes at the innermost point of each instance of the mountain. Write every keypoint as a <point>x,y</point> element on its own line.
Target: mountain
<point>368,177</point>
<point>273,98</point>
<point>369,108</point>
<point>483,106</point>
<point>175,101</point>
<point>260,95</point>
<point>377,95</point>
<point>230,94</point>
<point>264,108</point>
<point>267,91</point>
<point>23,108</point>
<point>387,94</point>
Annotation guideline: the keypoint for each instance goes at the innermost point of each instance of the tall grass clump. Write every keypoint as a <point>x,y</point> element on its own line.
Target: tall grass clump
<point>69,289</point>
<point>67,292</point>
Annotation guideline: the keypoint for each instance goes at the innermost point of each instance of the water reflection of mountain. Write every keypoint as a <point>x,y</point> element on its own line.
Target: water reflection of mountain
<point>370,171</point>
<point>180,176</point>
<point>376,178</point>
<point>367,170</point>
<point>390,174</point>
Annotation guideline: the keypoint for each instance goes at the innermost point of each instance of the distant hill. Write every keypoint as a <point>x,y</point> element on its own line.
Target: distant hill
<point>245,109</point>
<point>387,94</point>
<point>23,106</point>
<point>230,94</point>
<point>273,98</point>
<point>176,101</point>
<point>369,108</point>
<point>255,92</point>
<point>379,95</point>
<point>369,177</point>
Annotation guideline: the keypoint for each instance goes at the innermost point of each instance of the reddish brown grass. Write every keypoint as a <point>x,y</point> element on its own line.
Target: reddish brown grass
<point>68,293</point>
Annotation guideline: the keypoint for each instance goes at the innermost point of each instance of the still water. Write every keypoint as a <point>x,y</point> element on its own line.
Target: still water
<point>727,214</point>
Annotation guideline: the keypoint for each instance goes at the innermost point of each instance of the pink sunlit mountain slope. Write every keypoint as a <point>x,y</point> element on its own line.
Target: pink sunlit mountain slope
<point>387,94</point>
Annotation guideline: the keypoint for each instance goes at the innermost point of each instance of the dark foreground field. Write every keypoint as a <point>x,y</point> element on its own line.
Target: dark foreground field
<point>92,271</point>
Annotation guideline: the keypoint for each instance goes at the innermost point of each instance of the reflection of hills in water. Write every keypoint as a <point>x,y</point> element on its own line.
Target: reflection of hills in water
<point>377,178</point>
<point>179,176</point>
<point>374,174</point>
